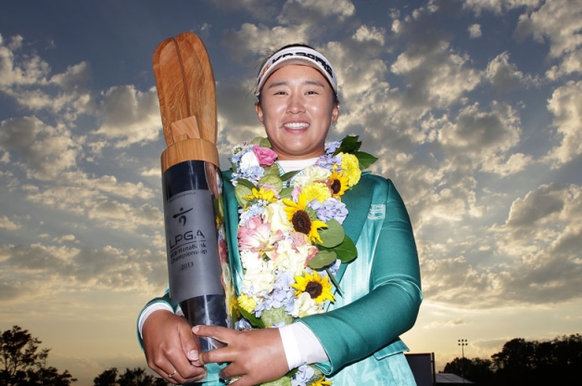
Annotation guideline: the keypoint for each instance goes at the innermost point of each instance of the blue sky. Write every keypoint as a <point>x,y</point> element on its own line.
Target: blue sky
<point>474,108</point>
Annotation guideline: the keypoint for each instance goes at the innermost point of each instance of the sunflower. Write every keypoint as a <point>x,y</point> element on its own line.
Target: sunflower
<point>318,287</point>
<point>338,183</point>
<point>261,194</point>
<point>321,382</point>
<point>301,220</point>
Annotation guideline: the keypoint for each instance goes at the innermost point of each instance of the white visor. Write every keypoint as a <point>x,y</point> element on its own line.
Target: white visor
<point>301,55</point>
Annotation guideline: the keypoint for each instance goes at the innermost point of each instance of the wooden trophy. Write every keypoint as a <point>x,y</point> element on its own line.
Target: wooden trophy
<point>192,183</point>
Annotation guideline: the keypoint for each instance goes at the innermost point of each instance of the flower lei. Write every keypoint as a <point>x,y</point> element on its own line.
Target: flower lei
<point>290,236</point>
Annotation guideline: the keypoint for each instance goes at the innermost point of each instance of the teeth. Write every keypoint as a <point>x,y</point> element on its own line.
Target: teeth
<point>296,125</point>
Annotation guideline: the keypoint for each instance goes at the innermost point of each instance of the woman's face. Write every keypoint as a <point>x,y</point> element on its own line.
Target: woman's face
<point>297,108</point>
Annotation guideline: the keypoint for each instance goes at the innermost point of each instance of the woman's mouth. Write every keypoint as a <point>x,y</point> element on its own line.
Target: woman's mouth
<point>296,125</point>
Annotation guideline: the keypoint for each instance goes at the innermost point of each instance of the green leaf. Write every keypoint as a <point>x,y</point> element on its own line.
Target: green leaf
<point>286,193</point>
<point>247,183</point>
<point>323,258</point>
<point>272,170</point>
<point>253,320</point>
<point>259,141</point>
<point>276,315</point>
<point>332,235</point>
<point>283,381</point>
<point>334,281</point>
<point>365,159</point>
<point>350,144</point>
<point>312,214</point>
<point>264,142</point>
<point>289,175</point>
<point>240,191</point>
<point>317,374</point>
<point>272,180</point>
<point>346,251</point>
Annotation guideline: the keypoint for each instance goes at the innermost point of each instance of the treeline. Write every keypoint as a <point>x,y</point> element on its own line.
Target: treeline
<point>522,362</point>
<point>24,363</point>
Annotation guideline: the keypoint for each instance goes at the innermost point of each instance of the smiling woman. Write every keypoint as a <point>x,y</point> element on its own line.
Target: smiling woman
<point>322,255</point>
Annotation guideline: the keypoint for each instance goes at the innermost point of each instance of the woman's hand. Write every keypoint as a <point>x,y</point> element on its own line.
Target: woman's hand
<point>171,348</point>
<point>255,356</point>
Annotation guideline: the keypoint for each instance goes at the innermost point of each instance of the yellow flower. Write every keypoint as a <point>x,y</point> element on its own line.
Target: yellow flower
<point>321,382</point>
<point>247,303</point>
<point>338,183</point>
<point>299,218</point>
<point>318,287</point>
<point>261,194</point>
<point>316,191</point>
<point>351,167</point>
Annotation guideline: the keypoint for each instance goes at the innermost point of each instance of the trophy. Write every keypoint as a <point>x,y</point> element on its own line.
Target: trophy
<point>197,256</point>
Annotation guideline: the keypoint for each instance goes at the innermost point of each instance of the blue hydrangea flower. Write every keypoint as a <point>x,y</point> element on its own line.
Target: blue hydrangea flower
<point>303,375</point>
<point>331,147</point>
<point>331,209</point>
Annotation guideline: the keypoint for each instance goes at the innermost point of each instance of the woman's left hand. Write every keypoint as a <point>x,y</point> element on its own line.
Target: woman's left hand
<point>255,356</point>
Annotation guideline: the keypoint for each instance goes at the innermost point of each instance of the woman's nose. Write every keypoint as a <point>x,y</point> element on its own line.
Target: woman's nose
<point>295,105</point>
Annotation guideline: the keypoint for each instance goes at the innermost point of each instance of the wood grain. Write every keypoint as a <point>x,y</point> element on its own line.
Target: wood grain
<point>187,96</point>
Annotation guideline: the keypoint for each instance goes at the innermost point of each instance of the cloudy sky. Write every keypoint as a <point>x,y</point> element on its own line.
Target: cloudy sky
<point>474,108</point>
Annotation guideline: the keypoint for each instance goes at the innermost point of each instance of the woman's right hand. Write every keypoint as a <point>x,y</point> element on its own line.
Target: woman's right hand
<point>171,348</point>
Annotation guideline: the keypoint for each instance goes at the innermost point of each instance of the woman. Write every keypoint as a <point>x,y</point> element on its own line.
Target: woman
<point>355,341</point>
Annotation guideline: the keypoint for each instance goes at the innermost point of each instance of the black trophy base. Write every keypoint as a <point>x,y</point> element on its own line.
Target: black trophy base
<point>207,310</point>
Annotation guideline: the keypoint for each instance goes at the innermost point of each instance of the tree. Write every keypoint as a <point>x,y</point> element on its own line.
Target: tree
<point>135,377</point>
<point>530,363</point>
<point>22,363</point>
<point>475,370</point>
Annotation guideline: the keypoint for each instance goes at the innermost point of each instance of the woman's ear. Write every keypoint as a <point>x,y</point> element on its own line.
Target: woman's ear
<point>335,112</point>
<point>259,111</point>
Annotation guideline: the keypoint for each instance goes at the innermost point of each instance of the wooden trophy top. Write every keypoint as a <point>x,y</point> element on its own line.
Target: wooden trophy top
<point>187,95</point>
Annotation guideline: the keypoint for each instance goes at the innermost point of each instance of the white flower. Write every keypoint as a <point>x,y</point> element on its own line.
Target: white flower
<point>251,261</point>
<point>249,160</point>
<point>261,281</point>
<point>311,174</point>
<point>305,306</point>
<point>275,215</point>
<point>288,258</point>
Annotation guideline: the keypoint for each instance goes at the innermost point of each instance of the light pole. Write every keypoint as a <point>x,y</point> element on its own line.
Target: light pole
<point>462,343</point>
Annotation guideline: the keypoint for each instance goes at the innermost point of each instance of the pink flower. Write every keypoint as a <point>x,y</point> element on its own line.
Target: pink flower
<point>256,236</point>
<point>265,155</point>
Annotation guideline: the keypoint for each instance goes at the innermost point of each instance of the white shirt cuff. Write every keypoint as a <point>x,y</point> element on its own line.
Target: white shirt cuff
<point>149,310</point>
<point>301,345</point>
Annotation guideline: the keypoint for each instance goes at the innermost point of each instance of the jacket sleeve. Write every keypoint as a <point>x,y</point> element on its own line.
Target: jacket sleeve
<point>374,321</point>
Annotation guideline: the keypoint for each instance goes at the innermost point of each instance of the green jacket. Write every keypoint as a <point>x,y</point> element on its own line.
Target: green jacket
<point>381,292</point>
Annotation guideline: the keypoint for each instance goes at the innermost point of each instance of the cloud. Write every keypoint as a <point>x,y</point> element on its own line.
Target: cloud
<point>566,106</point>
<point>261,9</point>
<point>543,233</point>
<point>129,116</point>
<point>502,74</point>
<point>251,39</point>
<point>560,22</point>
<point>484,138</point>
<point>6,223</point>
<point>313,11</point>
<point>436,75</point>
<point>43,151</point>
<point>16,70</point>
<point>31,271</point>
<point>537,206</point>
<point>474,31</point>
<point>498,6</point>
<point>75,76</point>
